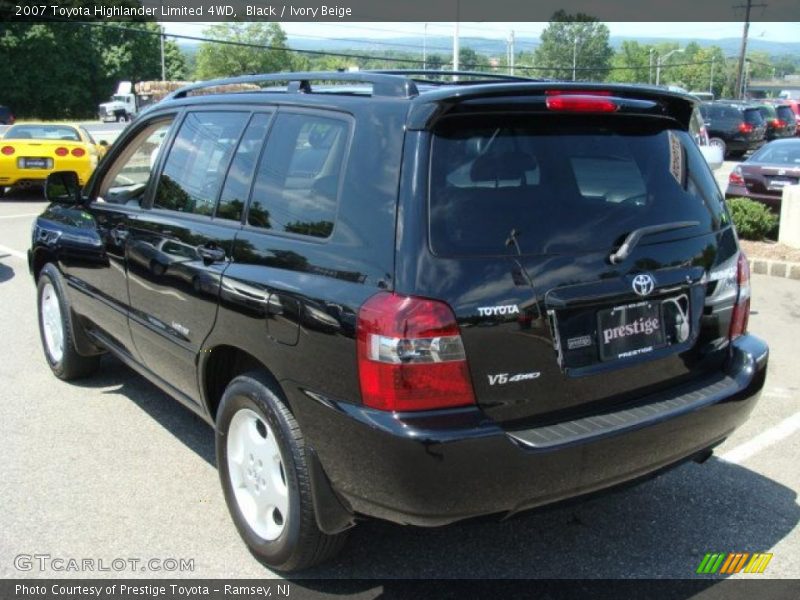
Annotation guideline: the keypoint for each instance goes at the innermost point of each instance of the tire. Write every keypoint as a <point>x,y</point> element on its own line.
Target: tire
<point>720,144</point>
<point>55,329</point>
<point>2,191</point>
<point>264,471</point>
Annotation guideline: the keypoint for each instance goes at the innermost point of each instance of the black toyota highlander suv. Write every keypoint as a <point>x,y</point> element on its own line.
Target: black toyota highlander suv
<point>400,297</point>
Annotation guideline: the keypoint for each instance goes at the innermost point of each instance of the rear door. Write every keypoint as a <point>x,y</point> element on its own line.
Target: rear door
<point>526,218</point>
<point>178,248</point>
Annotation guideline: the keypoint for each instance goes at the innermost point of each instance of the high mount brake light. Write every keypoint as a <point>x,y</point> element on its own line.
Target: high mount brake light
<point>589,103</point>
<point>410,355</point>
<point>577,93</point>
<point>741,310</point>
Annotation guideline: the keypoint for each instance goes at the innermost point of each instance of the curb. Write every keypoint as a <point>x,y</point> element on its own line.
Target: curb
<point>775,268</point>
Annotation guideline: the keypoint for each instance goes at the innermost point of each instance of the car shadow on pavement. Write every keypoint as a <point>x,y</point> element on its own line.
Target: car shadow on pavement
<point>661,528</point>
<point>6,272</point>
<point>178,420</point>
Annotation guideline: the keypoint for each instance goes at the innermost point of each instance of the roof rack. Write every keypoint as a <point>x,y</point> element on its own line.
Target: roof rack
<point>383,84</point>
<point>411,73</point>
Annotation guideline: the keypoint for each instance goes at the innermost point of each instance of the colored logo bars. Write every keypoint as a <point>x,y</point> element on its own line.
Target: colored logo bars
<point>733,562</point>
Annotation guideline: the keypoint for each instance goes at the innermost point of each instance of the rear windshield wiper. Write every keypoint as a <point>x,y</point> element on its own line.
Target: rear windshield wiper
<point>637,234</point>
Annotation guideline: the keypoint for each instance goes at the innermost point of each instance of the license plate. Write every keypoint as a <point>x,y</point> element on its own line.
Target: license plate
<point>35,163</point>
<point>630,330</point>
<point>778,183</point>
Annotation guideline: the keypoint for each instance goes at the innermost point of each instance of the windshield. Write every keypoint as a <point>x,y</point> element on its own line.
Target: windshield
<point>43,132</point>
<point>120,98</point>
<point>564,185</point>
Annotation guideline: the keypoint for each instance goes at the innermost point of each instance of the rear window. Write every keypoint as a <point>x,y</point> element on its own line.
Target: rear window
<point>563,186</point>
<point>787,153</point>
<point>754,116</point>
<point>785,113</point>
<point>43,132</point>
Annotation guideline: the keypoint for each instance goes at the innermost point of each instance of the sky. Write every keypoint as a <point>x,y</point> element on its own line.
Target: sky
<point>775,32</point>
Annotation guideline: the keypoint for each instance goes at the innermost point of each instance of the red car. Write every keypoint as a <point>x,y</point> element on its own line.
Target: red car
<point>784,107</point>
<point>763,176</point>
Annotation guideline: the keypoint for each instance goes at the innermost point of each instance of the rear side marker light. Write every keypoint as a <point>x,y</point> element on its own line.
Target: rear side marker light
<point>410,355</point>
<point>78,152</point>
<point>7,150</point>
<point>594,103</point>
<point>61,151</point>
<point>741,310</point>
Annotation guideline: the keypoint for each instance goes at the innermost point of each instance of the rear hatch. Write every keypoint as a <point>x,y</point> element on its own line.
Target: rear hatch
<point>529,215</point>
<point>754,126</point>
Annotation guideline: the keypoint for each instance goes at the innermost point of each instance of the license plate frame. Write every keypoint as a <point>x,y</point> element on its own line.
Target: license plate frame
<point>629,330</point>
<point>35,163</point>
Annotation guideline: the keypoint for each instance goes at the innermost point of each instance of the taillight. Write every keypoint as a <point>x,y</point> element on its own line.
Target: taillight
<point>745,127</point>
<point>7,150</point>
<point>778,123</point>
<point>78,152</point>
<point>61,151</point>
<point>741,310</point>
<point>586,102</point>
<point>735,178</point>
<point>410,355</point>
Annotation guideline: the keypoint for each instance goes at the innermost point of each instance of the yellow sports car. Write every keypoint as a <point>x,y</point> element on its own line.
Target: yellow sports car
<point>29,152</point>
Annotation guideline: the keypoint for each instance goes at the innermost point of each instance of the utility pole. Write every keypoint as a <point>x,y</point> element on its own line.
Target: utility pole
<point>740,70</point>
<point>711,77</point>
<point>511,52</point>
<point>425,49</point>
<point>574,55</point>
<point>650,72</point>
<point>456,49</point>
<point>163,69</point>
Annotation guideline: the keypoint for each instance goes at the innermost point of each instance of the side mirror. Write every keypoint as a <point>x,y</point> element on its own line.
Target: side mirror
<point>63,187</point>
<point>713,156</point>
<point>103,143</point>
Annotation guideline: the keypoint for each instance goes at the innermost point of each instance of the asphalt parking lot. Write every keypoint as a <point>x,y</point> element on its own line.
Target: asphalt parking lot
<point>110,468</point>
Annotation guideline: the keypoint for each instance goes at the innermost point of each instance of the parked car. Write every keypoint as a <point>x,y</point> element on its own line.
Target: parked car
<point>30,152</point>
<point>763,175</point>
<point>735,127</point>
<point>789,111</point>
<point>6,116</point>
<point>778,125</point>
<point>712,153</point>
<point>437,300</point>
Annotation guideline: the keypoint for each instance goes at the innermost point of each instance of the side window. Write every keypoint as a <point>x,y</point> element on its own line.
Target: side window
<point>197,161</point>
<point>297,180</point>
<point>127,178</point>
<point>240,175</point>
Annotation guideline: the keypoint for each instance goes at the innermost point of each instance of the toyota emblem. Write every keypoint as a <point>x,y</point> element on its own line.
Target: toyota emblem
<point>643,284</point>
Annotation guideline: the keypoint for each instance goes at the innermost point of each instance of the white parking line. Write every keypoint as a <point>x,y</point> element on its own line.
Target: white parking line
<point>12,252</point>
<point>20,216</point>
<point>763,440</point>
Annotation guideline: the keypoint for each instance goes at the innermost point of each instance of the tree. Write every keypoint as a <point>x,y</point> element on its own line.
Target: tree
<point>174,62</point>
<point>633,64</point>
<point>268,53</point>
<point>576,37</point>
<point>84,62</point>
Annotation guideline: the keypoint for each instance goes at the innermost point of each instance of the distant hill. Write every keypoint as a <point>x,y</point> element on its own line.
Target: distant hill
<point>496,47</point>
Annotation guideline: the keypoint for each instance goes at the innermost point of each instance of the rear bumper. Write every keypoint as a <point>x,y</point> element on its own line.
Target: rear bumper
<point>433,469</point>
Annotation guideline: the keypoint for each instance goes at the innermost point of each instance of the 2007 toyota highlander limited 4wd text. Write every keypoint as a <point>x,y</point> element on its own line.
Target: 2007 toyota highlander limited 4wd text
<point>404,298</point>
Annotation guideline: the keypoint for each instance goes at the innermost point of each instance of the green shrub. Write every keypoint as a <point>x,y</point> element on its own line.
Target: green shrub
<point>753,220</point>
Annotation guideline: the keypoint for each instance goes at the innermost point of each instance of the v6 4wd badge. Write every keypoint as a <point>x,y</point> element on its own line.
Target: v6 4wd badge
<point>504,378</point>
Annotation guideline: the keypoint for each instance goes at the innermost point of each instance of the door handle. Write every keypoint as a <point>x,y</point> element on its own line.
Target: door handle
<point>210,253</point>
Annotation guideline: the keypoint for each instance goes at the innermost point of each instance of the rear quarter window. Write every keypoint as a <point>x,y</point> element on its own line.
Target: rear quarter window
<point>564,187</point>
